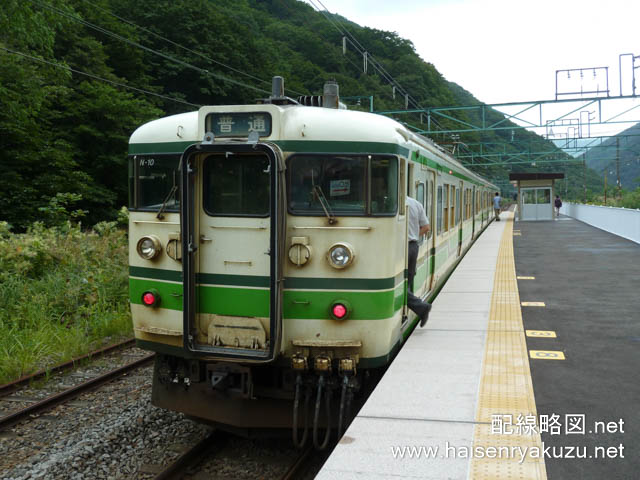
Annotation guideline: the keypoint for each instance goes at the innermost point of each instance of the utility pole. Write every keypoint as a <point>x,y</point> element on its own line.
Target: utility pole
<point>584,176</point>
<point>605,189</point>
<point>618,167</point>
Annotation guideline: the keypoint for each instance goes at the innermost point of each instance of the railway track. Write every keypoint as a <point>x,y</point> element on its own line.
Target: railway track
<point>9,388</point>
<point>209,449</point>
<point>100,431</point>
<point>37,407</point>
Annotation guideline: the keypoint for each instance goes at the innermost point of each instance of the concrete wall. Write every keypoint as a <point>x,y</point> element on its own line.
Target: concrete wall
<point>623,222</point>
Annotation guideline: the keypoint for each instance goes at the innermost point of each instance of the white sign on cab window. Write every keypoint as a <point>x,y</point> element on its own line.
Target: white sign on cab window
<point>338,188</point>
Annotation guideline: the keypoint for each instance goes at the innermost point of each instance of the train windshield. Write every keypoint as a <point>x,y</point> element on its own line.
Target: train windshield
<point>345,184</point>
<point>237,185</point>
<point>154,181</point>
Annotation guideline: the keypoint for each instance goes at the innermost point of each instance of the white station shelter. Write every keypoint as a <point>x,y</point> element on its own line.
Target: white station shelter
<point>536,194</point>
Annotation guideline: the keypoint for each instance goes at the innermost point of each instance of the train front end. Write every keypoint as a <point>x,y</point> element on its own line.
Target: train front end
<point>267,263</point>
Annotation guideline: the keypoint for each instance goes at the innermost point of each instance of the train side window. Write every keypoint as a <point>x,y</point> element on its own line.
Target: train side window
<point>445,209</point>
<point>465,215</point>
<point>457,206</point>
<point>439,209</point>
<point>429,206</point>
<point>403,186</point>
<point>420,194</point>
<point>452,207</point>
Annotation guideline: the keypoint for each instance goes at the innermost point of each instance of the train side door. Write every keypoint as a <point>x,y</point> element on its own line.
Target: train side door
<point>459,215</point>
<point>431,237</point>
<point>474,202</point>
<point>233,216</point>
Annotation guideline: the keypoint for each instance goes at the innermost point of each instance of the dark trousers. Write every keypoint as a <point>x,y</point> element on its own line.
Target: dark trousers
<point>416,305</point>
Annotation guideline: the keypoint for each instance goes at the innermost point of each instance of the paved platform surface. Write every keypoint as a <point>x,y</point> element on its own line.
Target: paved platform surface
<point>465,384</point>
<point>435,396</point>
<point>589,281</point>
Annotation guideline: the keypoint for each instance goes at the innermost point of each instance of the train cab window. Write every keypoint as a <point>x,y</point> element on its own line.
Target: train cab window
<point>237,185</point>
<point>342,184</point>
<point>154,181</point>
<point>439,210</point>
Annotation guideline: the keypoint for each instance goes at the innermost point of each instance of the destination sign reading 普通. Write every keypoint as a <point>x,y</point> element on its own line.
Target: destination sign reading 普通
<point>239,124</point>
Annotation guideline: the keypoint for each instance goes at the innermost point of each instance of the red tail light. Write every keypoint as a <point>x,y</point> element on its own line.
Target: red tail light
<point>339,311</point>
<point>150,298</point>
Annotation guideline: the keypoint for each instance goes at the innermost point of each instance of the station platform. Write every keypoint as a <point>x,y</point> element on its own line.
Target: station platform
<point>533,306</point>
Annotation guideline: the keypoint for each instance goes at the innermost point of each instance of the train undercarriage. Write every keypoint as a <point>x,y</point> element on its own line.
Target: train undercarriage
<point>258,400</point>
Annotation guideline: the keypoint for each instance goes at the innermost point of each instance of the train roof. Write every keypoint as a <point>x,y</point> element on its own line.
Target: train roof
<point>294,123</point>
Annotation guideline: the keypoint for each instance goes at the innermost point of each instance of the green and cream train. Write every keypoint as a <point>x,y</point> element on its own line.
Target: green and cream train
<point>268,254</point>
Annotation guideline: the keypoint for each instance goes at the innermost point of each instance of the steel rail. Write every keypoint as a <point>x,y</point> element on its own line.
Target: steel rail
<point>57,399</point>
<point>297,468</point>
<point>192,456</point>
<point>11,387</point>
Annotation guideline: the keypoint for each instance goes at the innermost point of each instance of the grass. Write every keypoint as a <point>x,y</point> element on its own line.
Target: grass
<point>63,293</point>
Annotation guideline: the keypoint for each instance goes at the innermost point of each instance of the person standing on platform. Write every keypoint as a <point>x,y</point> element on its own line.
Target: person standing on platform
<point>558,204</point>
<point>496,206</point>
<point>418,226</point>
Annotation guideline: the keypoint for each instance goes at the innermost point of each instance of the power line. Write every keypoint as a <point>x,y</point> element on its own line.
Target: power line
<point>375,63</point>
<point>96,77</point>
<point>183,47</point>
<point>361,49</point>
<point>138,45</point>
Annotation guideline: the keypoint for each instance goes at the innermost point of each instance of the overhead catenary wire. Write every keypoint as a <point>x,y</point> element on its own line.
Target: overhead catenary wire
<point>96,77</point>
<point>361,49</point>
<point>155,52</point>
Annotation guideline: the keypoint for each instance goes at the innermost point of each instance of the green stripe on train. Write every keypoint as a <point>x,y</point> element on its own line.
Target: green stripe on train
<point>313,146</point>
<point>254,302</point>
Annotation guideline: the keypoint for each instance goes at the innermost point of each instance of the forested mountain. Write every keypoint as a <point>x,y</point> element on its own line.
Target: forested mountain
<point>78,76</point>
<point>602,158</point>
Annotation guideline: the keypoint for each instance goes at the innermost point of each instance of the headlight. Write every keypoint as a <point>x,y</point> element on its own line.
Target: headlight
<point>149,247</point>
<point>340,255</point>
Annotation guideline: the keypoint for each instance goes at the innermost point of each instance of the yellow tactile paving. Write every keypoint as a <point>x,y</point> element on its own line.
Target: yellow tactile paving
<point>506,403</point>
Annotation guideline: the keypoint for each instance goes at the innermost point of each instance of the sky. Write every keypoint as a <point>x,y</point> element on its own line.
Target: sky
<point>509,50</point>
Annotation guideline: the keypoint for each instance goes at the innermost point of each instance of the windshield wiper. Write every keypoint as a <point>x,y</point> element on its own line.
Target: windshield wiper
<point>170,195</point>
<point>319,194</point>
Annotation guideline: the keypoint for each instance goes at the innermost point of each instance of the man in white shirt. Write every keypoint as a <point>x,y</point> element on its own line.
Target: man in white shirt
<point>418,226</point>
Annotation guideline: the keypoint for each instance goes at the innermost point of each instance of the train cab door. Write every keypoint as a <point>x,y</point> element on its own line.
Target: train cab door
<point>232,216</point>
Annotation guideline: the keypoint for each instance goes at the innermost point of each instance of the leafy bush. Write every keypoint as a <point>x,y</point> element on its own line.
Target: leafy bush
<point>62,291</point>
